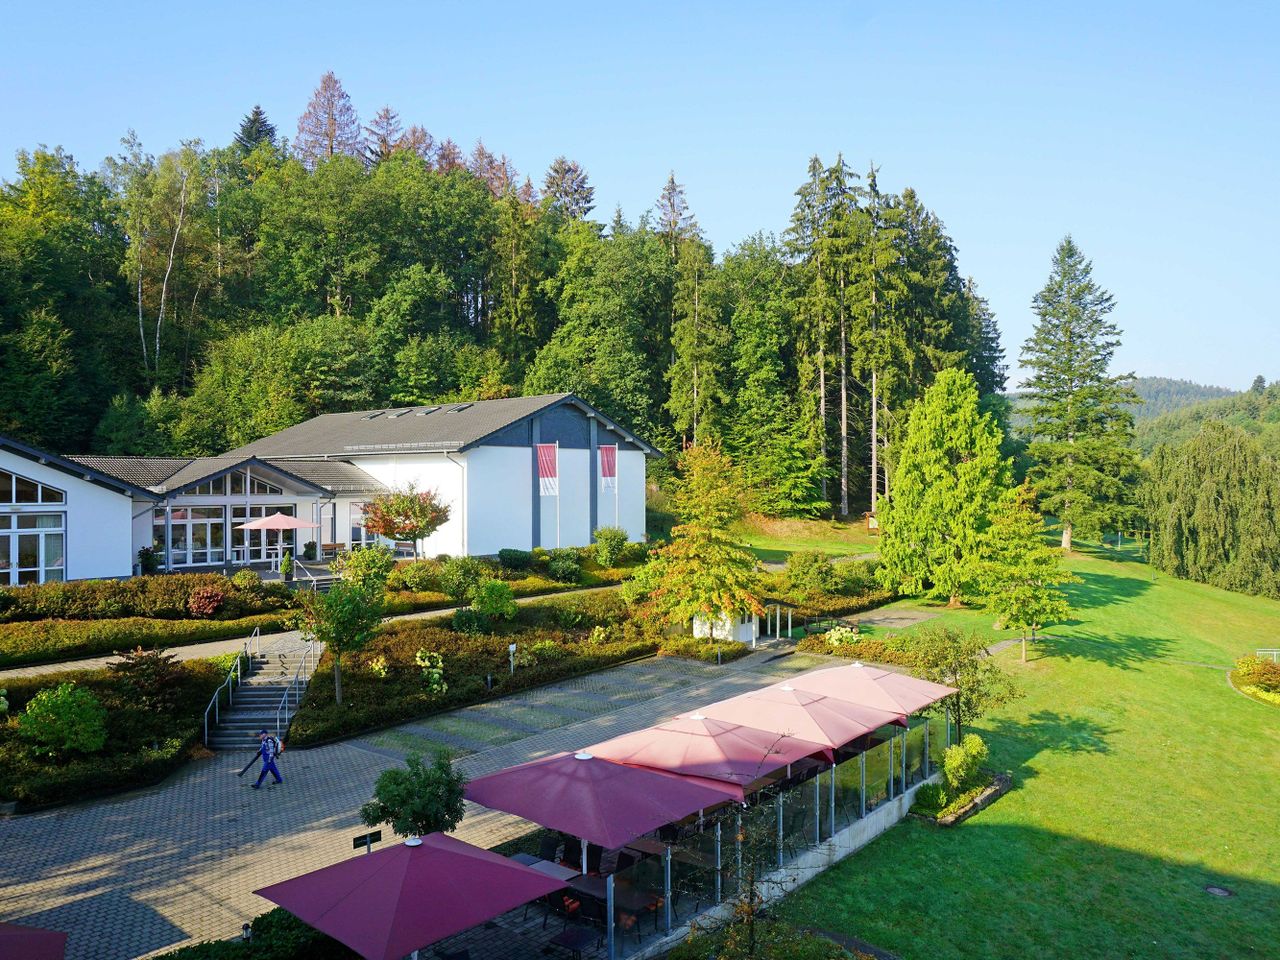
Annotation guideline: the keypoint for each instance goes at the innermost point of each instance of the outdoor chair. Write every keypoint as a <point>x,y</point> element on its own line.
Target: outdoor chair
<point>549,847</point>
<point>594,854</point>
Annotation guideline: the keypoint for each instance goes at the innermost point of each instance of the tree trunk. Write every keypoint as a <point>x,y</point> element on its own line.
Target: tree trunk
<point>1024,648</point>
<point>1066,538</point>
<point>844,412</point>
<point>875,437</point>
<point>337,678</point>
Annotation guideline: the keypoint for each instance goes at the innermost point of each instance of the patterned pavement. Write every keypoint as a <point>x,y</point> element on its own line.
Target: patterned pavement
<point>153,869</point>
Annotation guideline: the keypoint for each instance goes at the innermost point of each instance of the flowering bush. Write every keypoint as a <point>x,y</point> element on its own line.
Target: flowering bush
<point>432,666</point>
<point>204,602</point>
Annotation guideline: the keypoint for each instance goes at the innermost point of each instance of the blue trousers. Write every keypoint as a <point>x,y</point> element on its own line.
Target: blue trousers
<point>269,766</point>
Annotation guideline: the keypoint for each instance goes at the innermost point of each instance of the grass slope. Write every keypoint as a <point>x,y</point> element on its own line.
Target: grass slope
<point>774,540</point>
<point>1140,777</point>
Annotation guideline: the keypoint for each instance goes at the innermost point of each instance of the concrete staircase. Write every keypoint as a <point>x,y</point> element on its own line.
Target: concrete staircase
<point>256,700</point>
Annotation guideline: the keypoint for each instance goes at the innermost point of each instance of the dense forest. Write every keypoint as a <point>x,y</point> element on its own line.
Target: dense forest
<point>1162,395</point>
<point>1256,412</point>
<point>191,301</point>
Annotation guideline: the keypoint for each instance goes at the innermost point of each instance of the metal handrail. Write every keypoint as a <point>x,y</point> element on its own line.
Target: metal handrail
<point>1272,652</point>
<point>296,688</point>
<point>233,679</point>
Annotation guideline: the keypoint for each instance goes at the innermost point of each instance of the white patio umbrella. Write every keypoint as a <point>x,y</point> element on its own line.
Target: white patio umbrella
<point>276,521</point>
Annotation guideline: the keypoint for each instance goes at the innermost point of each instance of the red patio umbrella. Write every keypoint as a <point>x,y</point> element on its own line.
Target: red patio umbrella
<point>782,708</point>
<point>696,745</point>
<point>31,943</point>
<point>276,521</point>
<point>387,904</point>
<point>873,687</point>
<point>599,801</point>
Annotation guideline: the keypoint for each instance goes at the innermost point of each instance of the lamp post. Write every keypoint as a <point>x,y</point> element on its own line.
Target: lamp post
<point>511,654</point>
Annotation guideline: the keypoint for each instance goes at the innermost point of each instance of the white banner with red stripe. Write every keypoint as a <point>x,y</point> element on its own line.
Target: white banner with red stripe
<point>549,469</point>
<point>609,467</point>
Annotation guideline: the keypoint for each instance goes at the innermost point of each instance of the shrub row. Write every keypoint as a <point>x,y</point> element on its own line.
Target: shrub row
<point>277,935</point>
<point>48,641</point>
<point>697,648</point>
<point>178,596</point>
<point>384,685</point>
<point>144,743</point>
<point>841,642</point>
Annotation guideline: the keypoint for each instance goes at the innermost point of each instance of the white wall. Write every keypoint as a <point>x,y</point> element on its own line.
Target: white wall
<point>427,471</point>
<point>99,521</point>
<point>499,499</point>
<point>631,492</point>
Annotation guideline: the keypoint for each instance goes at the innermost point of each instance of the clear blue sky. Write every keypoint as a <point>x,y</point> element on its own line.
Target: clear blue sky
<point>1151,133</point>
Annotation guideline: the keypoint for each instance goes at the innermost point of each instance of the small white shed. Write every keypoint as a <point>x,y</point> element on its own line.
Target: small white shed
<point>744,627</point>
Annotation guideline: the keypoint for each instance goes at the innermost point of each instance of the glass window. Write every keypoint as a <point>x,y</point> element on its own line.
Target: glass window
<point>6,543</point>
<point>237,483</point>
<point>50,495</point>
<point>6,487</point>
<point>25,491</point>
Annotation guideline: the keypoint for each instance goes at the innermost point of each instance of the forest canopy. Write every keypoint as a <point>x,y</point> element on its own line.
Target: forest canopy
<point>189,301</point>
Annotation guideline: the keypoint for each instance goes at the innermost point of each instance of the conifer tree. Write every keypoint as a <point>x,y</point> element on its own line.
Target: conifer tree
<point>1081,427</point>
<point>449,157</point>
<point>1021,573</point>
<point>382,136</point>
<point>418,141</point>
<point>330,126</point>
<point>675,223</point>
<point>568,190</point>
<point>986,355</point>
<point>700,344</point>
<point>949,478</point>
<point>255,129</point>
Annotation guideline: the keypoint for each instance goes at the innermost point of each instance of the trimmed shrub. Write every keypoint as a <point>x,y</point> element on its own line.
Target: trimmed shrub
<point>460,575</point>
<point>810,572</point>
<point>166,597</point>
<point>247,581</point>
<point>516,560</point>
<point>416,576</point>
<point>467,620</point>
<point>53,640</point>
<point>371,565</point>
<point>962,763</point>
<point>493,599</point>
<point>277,935</point>
<point>204,602</point>
<point>151,677</point>
<point>564,565</point>
<point>62,720</point>
<point>697,648</point>
<point>610,544</point>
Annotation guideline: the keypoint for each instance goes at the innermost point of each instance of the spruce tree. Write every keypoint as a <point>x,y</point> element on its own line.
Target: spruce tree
<point>675,222</point>
<point>382,136</point>
<point>255,129</point>
<point>330,126</point>
<point>949,478</point>
<point>986,355</point>
<point>700,345</point>
<point>568,190</point>
<point>1021,574</point>
<point>1081,427</point>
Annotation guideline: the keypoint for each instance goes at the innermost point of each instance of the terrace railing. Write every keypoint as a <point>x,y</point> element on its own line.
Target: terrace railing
<point>292,697</point>
<point>1271,653</point>
<point>251,648</point>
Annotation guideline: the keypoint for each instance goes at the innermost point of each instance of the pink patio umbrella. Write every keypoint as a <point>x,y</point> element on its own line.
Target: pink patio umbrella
<point>696,745</point>
<point>783,709</point>
<point>873,687</point>
<point>597,800</point>
<point>31,943</point>
<point>277,521</point>
<point>387,904</point>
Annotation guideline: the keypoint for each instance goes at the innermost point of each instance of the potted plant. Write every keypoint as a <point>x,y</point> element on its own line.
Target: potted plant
<point>286,566</point>
<point>309,550</point>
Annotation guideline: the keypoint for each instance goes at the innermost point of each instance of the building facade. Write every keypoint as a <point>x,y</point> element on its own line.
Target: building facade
<point>523,472</point>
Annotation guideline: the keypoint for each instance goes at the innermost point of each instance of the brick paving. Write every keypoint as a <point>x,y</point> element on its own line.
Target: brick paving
<point>157,868</point>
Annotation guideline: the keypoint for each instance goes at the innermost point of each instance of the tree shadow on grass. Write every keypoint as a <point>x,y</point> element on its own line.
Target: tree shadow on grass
<point>1123,651</point>
<point>1102,590</point>
<point>1045,731</point>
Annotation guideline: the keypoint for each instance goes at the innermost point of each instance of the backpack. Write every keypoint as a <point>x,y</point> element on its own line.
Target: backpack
<point>276,747</point>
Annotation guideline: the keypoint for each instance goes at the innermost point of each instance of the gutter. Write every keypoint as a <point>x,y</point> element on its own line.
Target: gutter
<point>462,466</point>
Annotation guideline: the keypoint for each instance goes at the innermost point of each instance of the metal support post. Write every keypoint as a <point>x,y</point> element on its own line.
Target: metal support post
<point>737,850</point>
<point>779,806</point>
<point>905,733</point>
<point>831,808</point>
<point>947,718</point>
<point>926,748</point>
<point>862,790</point>
<point>584,856</point>
<point>817,808</point>
<point>666,886</point>
<point>608,909</point>
<point>893,780</point>
<point>719,898</point>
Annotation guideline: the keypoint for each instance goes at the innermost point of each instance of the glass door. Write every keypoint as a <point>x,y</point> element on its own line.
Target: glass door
<point>32,548</point>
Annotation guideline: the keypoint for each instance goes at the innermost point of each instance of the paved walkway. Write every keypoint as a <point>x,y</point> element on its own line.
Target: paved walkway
<point>269,641</point>
<point>157,868</point>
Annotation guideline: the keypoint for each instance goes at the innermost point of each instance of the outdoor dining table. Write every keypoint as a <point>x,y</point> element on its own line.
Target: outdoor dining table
<point>626,898</point>
<point>680,854</point>
<point>549,867</point>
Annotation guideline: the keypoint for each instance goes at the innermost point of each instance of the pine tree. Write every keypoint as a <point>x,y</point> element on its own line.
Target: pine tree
<point>675,223</point>
<point>949,478</point>
<point>986,355</point>
<point>382,136</point>
<point>1081,427</point>
<point>567,189</point>
<point>1021,573</point>
<point>418,141</point>
<point>700,341</point>
<point>449,157</point>
<point>255,129</point>
<point>330,126</point>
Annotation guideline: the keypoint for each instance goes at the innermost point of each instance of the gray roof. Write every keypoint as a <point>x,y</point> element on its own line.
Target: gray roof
<point>420,429</point>
<point>143,471</point>
<point>337,476</point>
<point>171,474</point>
<point>74,467</point>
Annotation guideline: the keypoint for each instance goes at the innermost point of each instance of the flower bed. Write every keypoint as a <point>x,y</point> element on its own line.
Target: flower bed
<point>843,642</point>
<point>953,810</point>
<point>144,742</point>
<point>179,596</point>
<point>696,648</point>
<point>51,641</point>
<point>1259,678</point>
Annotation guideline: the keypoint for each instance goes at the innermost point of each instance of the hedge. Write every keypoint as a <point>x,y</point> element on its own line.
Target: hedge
<point>888,649</point>
<point>698,648</point>
<point>50,641</point>
<point>371,701</point>
<point>142,748</point>
<point>277,935</point>
<point>161,597</point>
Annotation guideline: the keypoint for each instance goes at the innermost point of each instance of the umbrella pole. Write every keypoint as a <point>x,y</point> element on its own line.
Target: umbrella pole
<point>608,897</point>
<point>584,856</point>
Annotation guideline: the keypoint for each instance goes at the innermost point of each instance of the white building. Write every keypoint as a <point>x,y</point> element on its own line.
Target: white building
<point>743,628</point>
<point>482,458</point>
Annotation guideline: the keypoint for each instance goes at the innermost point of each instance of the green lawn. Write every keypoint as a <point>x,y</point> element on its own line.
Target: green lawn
<point>1140,777</point>
<point>774,540</point>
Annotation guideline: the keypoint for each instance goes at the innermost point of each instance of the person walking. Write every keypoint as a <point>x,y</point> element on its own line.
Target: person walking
<point>268,750</point>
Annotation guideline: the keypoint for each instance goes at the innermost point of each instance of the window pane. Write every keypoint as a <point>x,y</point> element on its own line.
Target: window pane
<point>5,541</point>
<point>40,521</point>
<point>6,487</point>
<point>53,551</point>
<point>50,495</point>
<point>237,482</point>
<point>215,556</point>
<point>29,550</point>
<point>206,513</point>
<point>26,491</point>
<point>28,576</point>
<point>54,575</point>
<point>216,534</point>
<point>199,556</point>
<point>5,521</point>
<point>180,537</point>
<point>199,536</point>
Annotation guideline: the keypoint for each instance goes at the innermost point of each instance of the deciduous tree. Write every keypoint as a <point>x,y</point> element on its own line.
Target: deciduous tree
<point>345,619</point>
<point>406,514</point>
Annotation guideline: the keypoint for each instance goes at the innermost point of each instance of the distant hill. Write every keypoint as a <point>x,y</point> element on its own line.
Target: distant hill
<point>1257,413</point>
<point>1162,395</point>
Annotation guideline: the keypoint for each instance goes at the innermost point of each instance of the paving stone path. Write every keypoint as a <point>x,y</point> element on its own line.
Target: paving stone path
<point>156,868</point>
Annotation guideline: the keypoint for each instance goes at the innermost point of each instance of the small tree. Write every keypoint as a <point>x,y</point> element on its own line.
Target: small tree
<point>345,619</point>
<point>494,600</point>
<point>460,576</point>
<point>1021,573</point>
<point>153,677</point>
<point>610,543</point>
<point>407,514</point>
<point>370,566</point>
<point>959,659</point>
<point>64,719</point>
<point>702,572</point>
<point>418,799</point>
